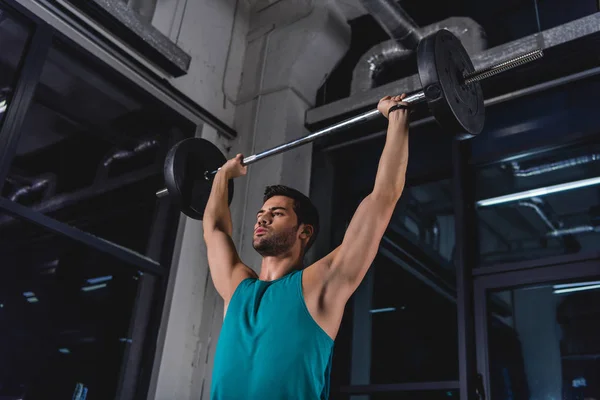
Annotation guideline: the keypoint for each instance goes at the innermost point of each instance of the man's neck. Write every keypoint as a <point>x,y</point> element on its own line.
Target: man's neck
<point>275,267</point>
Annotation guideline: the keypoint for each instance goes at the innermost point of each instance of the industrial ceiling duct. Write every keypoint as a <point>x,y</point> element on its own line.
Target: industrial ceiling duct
<point>394,21</point>
<point>43,186</point>
<point>123,154</point>
<point>405,36</point>
<point>520,172</point>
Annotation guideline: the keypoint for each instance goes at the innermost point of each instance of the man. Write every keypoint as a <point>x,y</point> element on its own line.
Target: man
<point>277,336</point>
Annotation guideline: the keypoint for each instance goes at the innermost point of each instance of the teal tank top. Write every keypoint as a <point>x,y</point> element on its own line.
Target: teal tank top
<point>270,347</point>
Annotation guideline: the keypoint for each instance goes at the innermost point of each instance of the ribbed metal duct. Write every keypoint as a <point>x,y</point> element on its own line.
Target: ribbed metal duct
<point>394,51</point>
<point>394,21</point>
<point>44,184</point>
<point>120,154</point>
<point>125,154</point>
<point>550,167</point>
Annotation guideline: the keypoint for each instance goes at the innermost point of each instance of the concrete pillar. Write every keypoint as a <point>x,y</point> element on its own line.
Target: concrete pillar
<point>292,47</point>
<point>290,51</point>
<point>192,313</point>
<point>535,322</point>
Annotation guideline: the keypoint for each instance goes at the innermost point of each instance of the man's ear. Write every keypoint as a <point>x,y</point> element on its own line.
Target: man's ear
<point>306,232</point>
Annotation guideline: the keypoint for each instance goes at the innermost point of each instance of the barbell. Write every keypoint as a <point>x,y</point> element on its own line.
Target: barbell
<point>450,86</point>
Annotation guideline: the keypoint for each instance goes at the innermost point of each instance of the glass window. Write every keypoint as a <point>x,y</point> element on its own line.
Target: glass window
<point>425,217</point>
<point>540,206</point>
<point>66,312</point>
<point>14,36</point>
<point>547,345</point>
<point>400,326</point>
<point>92,148</point>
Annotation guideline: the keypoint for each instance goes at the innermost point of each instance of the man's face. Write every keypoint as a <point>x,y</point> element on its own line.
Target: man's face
<point>276,228</point>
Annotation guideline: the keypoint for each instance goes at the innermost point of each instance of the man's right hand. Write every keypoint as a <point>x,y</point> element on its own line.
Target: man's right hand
<point>397,116</point>
<point>234,168</point>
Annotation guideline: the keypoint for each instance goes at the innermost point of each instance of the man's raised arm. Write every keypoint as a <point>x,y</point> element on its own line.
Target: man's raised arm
<point>348,264</point>
<point>226,268</point>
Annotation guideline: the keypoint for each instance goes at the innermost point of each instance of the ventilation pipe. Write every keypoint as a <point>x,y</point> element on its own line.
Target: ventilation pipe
<point>575,230</point>
<point>405,36</point>
<point>120,154</point>
<point>45,184</point>
<point>556,229</point>
<point>545,168</point>
<point>536,204</point>
<point>394,21</point>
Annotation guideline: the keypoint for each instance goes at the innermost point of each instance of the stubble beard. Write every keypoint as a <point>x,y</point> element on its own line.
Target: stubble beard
<point>275,244</point>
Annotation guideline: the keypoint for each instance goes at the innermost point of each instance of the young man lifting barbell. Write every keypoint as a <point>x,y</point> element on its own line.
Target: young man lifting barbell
<point>277,336</point>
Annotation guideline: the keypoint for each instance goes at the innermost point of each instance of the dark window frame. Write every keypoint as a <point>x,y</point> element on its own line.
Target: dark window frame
<point>145,322</point>
<point>543,273</point>
<point>472,382</point>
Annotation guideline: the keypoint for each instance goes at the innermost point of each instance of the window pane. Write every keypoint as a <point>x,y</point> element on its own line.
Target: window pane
<point>401,324</point>
<point>398,328</point>
<point>540,206</point>
<point>13,39</point>
<point>425,216</point>
<point>546,344</point>
<point>65,310</point>
<point>92,149</point>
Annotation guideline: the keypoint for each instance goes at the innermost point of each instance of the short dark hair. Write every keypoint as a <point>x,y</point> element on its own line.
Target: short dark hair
<point>304,208</point>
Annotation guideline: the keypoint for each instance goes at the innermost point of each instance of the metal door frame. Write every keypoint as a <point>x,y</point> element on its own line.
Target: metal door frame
<point>552,272</point>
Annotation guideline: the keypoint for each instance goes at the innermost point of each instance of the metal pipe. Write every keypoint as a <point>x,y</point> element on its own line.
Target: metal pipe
<point>36,186</point>
<point>575,230</point>
<point>67,199</point>
<point>390,54</point>
<point>121,154</point>
<point>534,204</point>
<point>545,168</point>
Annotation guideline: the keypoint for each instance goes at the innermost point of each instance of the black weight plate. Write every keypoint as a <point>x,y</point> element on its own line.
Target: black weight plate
<point>443,62</point>
<point>184,170</point>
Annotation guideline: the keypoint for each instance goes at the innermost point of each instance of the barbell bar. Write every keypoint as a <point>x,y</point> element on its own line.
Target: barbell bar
<point>450,86</point>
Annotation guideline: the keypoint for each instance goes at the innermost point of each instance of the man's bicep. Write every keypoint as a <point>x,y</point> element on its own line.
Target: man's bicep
<point>226,268</point>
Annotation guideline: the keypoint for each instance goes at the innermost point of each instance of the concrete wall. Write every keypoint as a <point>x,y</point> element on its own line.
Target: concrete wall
<point>214,33</point>
<point>289,49</point>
